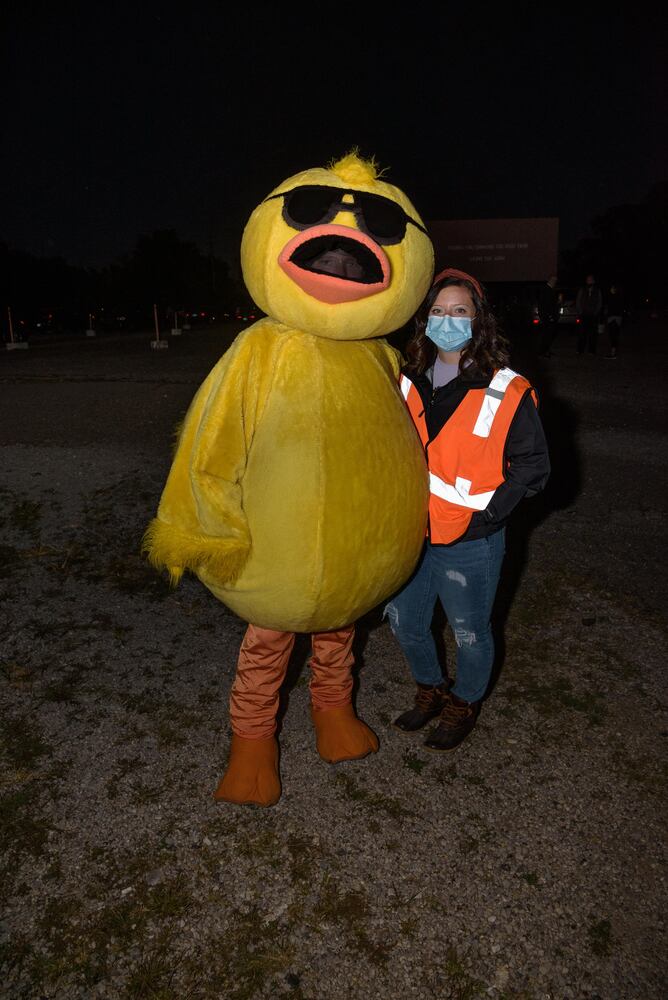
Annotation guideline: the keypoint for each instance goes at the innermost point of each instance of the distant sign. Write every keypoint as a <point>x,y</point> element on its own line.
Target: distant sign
<point>498,249</point>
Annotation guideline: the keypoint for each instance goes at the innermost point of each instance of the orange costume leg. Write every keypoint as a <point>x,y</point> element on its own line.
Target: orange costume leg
<point>340,735</point>
<point>252,770</point>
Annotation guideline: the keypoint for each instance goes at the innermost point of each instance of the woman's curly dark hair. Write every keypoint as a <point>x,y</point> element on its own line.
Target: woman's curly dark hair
<point>485,354</point>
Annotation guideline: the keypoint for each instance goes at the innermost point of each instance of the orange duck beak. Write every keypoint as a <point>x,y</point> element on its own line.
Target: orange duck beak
<point>335,264</point>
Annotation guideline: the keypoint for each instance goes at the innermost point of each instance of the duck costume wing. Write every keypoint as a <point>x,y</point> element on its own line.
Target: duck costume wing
<point>298,491</point>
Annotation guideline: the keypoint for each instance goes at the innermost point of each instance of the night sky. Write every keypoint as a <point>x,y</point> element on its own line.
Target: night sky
<point>121,119</point>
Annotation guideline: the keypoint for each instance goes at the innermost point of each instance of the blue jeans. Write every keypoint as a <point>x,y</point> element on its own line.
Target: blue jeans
<point>465,577</point>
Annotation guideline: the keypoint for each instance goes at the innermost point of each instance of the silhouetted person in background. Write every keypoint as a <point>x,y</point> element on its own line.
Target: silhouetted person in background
<point>548,313</point>
<point>614,317</point>
<point>588,306</point>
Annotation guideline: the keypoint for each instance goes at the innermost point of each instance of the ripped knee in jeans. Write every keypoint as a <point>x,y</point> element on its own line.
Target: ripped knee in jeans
<point>463,637</point>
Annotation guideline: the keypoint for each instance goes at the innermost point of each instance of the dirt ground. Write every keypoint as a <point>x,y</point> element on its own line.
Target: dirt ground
<point>529,864</point>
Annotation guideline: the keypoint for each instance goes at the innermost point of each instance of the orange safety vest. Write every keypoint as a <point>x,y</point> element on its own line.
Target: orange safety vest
<point>466,459</point>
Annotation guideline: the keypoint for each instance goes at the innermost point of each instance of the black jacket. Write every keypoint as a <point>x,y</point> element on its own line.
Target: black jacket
<point>615,305</point>
<point>589,301</point>
<point>526,449</point>
<point>548,304</point>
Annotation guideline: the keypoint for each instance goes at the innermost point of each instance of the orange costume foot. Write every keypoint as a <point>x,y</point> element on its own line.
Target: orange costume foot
<point>252,773</point>
<point>340,735</point>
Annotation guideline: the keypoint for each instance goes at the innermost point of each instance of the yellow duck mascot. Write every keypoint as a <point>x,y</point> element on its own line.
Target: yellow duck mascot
<point>298,491</point>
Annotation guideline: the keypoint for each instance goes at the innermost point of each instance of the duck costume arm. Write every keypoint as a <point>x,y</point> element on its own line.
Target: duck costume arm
<point>201,524</point>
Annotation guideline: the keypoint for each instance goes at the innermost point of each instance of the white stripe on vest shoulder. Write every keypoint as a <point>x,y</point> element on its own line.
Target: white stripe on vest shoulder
<point>502,379</point>
<point>405,386</point>
<point>492,400</point>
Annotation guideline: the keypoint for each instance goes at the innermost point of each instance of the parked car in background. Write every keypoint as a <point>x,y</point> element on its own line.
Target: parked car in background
<point>41,320</point>
<point>245,314</point>
<point>567,313</point>
<point>514,305</point>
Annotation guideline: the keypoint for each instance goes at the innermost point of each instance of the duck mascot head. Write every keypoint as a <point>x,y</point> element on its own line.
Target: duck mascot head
<point>298,491</point>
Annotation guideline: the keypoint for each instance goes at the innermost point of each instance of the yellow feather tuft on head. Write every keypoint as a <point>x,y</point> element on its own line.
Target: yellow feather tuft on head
<point>354,169</point>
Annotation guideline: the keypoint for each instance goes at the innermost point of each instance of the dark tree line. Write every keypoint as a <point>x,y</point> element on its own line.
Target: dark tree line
<point>628,248</point>
<point>162,268</point>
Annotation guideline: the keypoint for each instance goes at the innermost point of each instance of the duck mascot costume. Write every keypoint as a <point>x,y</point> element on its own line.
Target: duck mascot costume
<point>298,491</point>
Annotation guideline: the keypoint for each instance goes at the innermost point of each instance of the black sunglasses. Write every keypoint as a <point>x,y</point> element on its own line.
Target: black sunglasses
<point>314,204</point>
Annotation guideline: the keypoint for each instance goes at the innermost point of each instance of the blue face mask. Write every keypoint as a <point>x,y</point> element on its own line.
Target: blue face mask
<point>450,333</point>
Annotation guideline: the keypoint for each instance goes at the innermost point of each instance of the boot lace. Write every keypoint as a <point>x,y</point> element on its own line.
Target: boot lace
<point>427,699</point>
<point>453,713</point>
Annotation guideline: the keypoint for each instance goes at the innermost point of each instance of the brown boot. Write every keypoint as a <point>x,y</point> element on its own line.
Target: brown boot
<point>428,704</point>
<point>456,721</point>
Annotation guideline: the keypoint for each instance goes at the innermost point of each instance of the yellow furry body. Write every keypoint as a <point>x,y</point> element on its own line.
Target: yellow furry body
<point>298,492</point>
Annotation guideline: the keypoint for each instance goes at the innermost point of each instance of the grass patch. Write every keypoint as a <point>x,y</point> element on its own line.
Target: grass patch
<point>171,722</point>
<point>350,909</point>
<point>10,561</point>
<point>84,946</point>
<point>412,762</point>
<point>54,872</point>
<point>549,699</point>
<point>647,773</point>
<point>23,828</point>
<point>22,743</point>
<point>455,982</point>
<point>16,674</point>
<point>374,801</point>
<point>126,766</point>
<point>145,795</point>
<point>376,952</point>
<point>340,907</point>
<point>477,832</point>
<point>600,938</point>
<point>169,735</point>
<point>131,574</point>
<point>248,957</point>
<point>168,900</point>
<point>476,780</point>
<point>14,953</point>
<point>305,859</point>
<point>64,689</point>
<point>264,848</point>
<point>143,703</point>
<point>445,775</point>
<point>25,516</point>
<point>153,978</point>
<point>468,844</point>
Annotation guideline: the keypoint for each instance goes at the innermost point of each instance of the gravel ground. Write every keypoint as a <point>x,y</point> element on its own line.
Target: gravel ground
<point>529,864</point>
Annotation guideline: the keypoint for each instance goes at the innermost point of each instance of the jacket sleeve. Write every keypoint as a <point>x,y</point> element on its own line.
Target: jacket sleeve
<point>528,463</point>
<point>201,524</point>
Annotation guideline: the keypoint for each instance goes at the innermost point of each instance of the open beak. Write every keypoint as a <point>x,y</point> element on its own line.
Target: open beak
<point>335,264</point>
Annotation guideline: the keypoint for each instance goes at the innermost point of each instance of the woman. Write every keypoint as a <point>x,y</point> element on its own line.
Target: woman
<point>485,449</point>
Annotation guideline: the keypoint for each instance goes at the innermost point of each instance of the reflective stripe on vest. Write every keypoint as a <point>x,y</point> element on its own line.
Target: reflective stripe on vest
<point>467,456</point>
<point>405,386</point>
<point>492,401</point>
<point>459,493</point>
